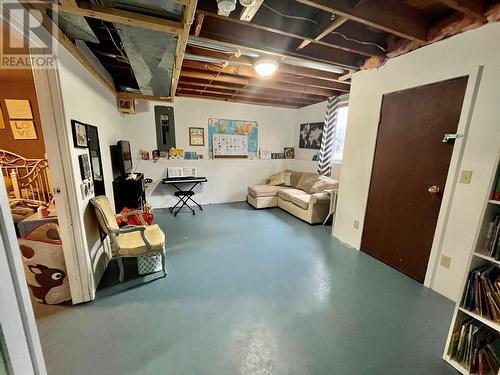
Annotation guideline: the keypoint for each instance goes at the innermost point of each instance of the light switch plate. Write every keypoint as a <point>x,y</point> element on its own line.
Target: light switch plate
<point>465,176</point>
<point>356,224</point>
<point>445,261</point>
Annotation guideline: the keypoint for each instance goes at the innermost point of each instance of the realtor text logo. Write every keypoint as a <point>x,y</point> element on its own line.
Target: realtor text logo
<point>24,41</point>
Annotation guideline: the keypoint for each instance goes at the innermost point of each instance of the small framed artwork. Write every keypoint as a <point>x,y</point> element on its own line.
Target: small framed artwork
<point>196,136</point>
<point>79,134</point>
<point>23,129</point>
<point>265,154</point>
<point>83,160</point>
<point>19,109</point>
<point>289,153</point>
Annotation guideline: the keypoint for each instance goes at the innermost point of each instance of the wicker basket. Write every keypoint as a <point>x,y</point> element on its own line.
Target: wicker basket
<point>149,264</point>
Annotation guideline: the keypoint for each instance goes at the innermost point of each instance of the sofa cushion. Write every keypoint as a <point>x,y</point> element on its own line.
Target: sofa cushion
<point>307,181</point>
<point>324,183</point>
<point>295,178</point>
<point>287,193</point>
<point>301,201</point>
<point>277,179</point>
<point>288,177</point>
<point>258,191</point>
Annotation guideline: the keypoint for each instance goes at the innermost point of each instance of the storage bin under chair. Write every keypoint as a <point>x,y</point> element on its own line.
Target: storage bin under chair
<point>149,264</point>
<point>44,266</point>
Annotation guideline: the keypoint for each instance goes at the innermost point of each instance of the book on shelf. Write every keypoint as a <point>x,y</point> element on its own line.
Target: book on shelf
<point>496,192</point>
<point>476,346</point>
<point>482,292</point>
<point>492,240</point>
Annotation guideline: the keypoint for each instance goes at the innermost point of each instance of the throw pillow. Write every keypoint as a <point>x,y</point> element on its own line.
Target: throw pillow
<point>277,179</point>
<point>307,181</point>
<point>295,178</point>
<point>324,183</point>
<point>288,177</point>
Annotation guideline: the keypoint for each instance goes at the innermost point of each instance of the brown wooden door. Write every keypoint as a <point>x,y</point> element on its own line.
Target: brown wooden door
<point>410,157</point>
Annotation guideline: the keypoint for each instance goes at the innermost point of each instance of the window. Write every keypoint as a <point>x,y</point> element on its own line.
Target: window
<point>339,137</point>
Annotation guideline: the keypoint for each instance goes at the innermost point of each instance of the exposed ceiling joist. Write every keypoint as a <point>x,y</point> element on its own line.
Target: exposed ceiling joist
<point>56,32</point>
<point>246,101</point>
<point>247,13</point>
<point>278,76</point>
<point>471,8</point>
<point>391,16</point>
<point>287,40</point>
<point>257,97</point>
<point>187,20</point>
<point>339,21</point>
<point>137,96</point>
<point>124,17</point>
<point>198,23</point>
<point>249,89</point>
<point>284,68</point>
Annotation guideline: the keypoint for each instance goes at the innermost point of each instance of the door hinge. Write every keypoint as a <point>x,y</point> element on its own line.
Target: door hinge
<point>451,137</point>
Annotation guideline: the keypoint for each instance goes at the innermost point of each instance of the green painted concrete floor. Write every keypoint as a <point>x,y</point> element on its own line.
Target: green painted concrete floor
<point>253,292</point>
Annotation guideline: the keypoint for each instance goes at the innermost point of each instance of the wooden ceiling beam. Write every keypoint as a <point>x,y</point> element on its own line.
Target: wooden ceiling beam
<point>346,48</point>
<point>246,96</point>
<point>471,8</point>
<point>137,96</point>
<point>392,16</point>
<point>278,76</point>
<point>250,90</point>
<point>245,101</point>
<point>187,20</point>
<point>284,68</point>
<point>123,17</point>
<point>337,22</point>
<point>198,23</point>
<point>289,87</point>
<point>247,13</point>
<point>65,42</point>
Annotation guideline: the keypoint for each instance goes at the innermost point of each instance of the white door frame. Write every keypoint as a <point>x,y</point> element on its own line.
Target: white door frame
<point>21,344</point>
<point>57,145</point>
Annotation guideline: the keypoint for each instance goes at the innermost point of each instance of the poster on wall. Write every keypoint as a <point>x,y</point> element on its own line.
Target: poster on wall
<point>19,109</point>
<point>250,129</point>
<point>23,130</point>
<point>310,135</point>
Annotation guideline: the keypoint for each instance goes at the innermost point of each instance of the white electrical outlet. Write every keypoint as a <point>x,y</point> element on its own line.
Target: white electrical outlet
<point>356,224</point>
<point>445,261</point>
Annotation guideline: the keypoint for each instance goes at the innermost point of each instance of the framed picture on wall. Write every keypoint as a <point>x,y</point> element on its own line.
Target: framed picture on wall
<point>23,129</point>
<point>83,160</point>
<point>79,134</point>
<point>310,135</point>
<point>196,136</point>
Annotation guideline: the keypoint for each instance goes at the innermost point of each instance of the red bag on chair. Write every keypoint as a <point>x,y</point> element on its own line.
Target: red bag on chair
<point>147,215</point>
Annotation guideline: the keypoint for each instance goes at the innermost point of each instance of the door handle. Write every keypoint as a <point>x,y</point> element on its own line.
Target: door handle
<point>433,189</point>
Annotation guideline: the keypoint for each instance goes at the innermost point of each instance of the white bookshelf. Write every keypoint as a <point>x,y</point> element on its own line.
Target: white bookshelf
<point>478,258</point>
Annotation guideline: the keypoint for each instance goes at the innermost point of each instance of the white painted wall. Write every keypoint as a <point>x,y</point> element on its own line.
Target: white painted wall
<point>88,101</point>
<point>228,179</point>
<point>457,56</point>
<point>275,124</point>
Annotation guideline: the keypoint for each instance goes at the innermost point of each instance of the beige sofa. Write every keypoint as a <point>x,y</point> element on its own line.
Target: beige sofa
<point>304,195</point>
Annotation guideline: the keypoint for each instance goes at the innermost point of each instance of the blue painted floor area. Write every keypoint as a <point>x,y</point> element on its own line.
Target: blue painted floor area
<point>254,292</point>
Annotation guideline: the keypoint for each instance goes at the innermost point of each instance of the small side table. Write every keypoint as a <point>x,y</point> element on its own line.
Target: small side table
<point>333,204</point>
<point>31,222</point>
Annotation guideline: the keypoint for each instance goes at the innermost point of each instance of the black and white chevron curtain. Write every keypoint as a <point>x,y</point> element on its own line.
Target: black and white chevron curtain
<point>326,151</point>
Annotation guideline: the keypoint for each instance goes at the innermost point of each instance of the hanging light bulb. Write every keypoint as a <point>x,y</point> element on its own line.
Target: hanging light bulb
<point>265,67</point>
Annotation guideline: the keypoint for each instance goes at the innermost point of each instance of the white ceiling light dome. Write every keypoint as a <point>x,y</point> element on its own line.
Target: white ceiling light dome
<point>265,67</point>
<point>226,6</point>
<point>247,3</point>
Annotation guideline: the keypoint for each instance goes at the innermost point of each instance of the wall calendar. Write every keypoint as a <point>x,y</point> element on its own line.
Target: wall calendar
<point>230,146</point>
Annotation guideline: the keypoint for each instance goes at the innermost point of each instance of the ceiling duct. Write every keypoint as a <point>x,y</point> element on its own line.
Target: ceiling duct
<point>151,56</point>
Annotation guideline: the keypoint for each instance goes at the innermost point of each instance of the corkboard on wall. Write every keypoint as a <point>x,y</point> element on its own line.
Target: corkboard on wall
<point>19,84</point>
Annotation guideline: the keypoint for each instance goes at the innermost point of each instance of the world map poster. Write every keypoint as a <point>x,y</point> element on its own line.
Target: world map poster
<point>234,127</point>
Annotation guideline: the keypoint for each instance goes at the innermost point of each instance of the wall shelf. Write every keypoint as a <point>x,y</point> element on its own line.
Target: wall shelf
<point>487,257</point>
<point>482,319</point>
<point>478,258</point>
